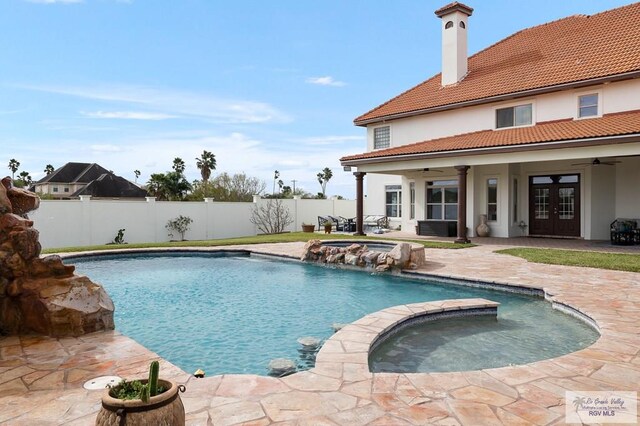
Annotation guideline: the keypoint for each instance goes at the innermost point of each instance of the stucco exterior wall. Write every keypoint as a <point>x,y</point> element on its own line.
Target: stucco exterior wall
<point>614,97</point>
<point>627,188</point>
<point>602,201</point>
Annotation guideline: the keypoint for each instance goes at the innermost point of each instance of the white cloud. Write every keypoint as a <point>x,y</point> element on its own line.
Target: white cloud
<point>325,81</point>
<point>175,102</point>
<point>128,115</point>
<point>55,1</point>
<point>153,152</point>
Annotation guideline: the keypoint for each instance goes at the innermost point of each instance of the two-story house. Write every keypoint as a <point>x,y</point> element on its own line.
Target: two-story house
<point>75,179</point>
<point>540,132</point>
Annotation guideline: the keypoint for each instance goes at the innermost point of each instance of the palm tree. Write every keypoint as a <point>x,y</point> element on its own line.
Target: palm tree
<point>137,173</point>
<point>157,187</point>
<point>206,163</point>
<point>323,177</point>
<point>25,178</point>
<point>178,165</point>
<point>49,169</point>
<point>13,166</point>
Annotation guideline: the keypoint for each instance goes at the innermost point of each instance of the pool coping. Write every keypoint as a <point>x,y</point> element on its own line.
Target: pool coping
<point>348,394</point>
<point>356,341</point>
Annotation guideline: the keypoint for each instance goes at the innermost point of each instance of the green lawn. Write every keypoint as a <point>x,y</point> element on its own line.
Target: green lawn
<point>614,261</point>
<point>260,239</point>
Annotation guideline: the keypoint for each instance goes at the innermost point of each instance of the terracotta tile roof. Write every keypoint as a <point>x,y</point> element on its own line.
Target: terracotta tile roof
<point>569,50</point>
<point>623,123</point>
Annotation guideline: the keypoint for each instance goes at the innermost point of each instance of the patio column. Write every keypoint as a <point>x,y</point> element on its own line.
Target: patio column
<point>462,204</point>
<point>359,202</point>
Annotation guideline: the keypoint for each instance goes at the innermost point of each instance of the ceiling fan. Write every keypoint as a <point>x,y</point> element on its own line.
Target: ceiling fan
<point>597,162</point>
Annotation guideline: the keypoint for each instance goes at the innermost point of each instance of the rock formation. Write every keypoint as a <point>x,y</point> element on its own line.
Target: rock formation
<point>400,257</point>
<point>42,295</point>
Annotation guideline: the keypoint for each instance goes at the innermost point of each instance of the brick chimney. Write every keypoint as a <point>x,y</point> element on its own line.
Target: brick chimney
<point>454,18</point>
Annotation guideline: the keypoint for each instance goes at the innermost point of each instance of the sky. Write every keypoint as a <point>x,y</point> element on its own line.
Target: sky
<point>264,85</point>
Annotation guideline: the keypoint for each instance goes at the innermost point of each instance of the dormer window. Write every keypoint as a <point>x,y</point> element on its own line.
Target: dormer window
<point>381,137</point>
<point>588,105</point>
<point>521,115</point>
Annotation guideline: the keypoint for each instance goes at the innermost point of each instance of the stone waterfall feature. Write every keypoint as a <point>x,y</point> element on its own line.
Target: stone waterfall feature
<point>402,256</point>
<point>42,295</point>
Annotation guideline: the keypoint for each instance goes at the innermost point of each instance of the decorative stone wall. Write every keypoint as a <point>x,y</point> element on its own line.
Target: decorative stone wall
<point>42,295</point>
<point>400,257</point>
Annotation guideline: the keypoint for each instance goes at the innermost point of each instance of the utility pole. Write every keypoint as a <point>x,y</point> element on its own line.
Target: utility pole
<point>294,185</point>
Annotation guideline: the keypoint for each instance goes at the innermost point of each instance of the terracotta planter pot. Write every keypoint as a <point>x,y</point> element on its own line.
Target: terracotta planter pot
<point>163,409</point>
<point>308,228</point>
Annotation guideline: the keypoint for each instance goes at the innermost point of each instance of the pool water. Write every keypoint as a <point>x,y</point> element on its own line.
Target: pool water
<point>233,313</point>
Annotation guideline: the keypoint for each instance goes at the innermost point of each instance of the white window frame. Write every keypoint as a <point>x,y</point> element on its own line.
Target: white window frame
<point>398,190</point>
<point>490,178</point>
<point>587,93</point>
<point>443,203</point>
<point>514,105</point>
<point>374,137</point>
<point>515,205</point>
<point>412,200</point>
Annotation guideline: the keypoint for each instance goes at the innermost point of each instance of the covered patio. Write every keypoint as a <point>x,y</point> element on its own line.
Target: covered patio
<point>566,178</point>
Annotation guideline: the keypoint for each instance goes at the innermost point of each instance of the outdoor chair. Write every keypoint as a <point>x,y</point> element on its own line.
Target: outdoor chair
<point>322,220</point>
<point>377,221</point>
<point>625,232</point>
<point>343,224</point>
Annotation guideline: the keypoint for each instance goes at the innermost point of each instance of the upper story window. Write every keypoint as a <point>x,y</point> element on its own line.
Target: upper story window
<point>521,115</point>
<point>381,137</point>
<point>588,105</point>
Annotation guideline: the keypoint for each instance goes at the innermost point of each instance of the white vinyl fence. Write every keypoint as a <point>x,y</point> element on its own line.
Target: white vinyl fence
<point>66,223</point>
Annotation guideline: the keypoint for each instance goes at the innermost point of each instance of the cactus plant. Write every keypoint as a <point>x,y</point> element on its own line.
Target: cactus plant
<point>137,390</point>
<point>154,371</point>
<point>145,393</point>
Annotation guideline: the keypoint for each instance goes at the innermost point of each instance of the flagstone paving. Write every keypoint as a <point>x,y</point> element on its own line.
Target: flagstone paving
<point>41,378</point>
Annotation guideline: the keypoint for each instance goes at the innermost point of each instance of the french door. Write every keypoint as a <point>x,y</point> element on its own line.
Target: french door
<point>554,205</point>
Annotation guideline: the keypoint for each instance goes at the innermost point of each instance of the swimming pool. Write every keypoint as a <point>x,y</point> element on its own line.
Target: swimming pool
<point>233,313</point>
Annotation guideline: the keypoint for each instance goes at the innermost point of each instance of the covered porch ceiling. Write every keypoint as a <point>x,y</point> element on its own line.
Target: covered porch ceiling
<point>406,166</point>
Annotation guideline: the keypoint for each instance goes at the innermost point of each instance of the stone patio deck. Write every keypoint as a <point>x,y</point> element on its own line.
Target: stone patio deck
<point>41,378</point>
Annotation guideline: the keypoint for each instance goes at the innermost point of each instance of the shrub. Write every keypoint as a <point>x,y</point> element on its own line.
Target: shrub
<point>180,225</point>
<point>272,217</point>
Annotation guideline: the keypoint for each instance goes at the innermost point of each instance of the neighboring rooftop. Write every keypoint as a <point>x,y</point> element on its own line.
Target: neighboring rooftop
<point>617,124</point>
<point>96,180</point>
<point>74,173</point>
<point>110,185</point>
<point>578,48</point>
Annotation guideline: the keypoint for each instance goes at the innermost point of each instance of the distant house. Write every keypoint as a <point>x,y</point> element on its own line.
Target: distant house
<point>75,179</point>
<point>540,132</point>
